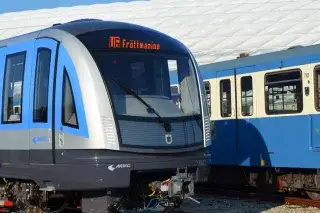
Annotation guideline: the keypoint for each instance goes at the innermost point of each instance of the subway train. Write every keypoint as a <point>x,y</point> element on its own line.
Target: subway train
<point>265,116</point>
<point>88,120</point>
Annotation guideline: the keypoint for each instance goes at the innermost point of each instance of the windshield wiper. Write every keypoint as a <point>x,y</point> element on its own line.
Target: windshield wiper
<point>150,109</point>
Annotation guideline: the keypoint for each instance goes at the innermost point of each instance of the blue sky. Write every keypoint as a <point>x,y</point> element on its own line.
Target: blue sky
<point>20,5</point>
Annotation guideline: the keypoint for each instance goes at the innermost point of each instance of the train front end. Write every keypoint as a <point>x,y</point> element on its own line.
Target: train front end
<point>149,134</point>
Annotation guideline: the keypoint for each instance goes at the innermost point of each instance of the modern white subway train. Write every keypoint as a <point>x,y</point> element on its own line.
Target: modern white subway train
<point>87,110</point>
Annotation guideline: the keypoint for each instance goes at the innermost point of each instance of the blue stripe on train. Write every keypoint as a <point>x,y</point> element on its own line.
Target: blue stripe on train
<point>280,141</point>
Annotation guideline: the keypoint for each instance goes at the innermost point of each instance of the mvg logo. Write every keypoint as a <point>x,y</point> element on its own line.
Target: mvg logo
<point>114,42</point>
<point>119,166</point>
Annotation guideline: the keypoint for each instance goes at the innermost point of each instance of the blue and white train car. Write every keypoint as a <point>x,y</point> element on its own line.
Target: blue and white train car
<point>87,114</point>
<point>265,114</point>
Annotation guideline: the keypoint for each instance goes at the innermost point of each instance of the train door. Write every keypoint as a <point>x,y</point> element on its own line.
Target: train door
<point>71,130</point>
<point>248,140</point>
<point>41,101</point>
<point>227,115</point>
<point>315,117</point>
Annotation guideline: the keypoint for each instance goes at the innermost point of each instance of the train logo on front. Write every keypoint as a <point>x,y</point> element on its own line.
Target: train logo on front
<point>168,138</point>
<point>119,166</point>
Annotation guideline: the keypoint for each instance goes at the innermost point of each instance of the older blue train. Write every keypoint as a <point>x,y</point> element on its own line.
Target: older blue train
<point>265,115</point>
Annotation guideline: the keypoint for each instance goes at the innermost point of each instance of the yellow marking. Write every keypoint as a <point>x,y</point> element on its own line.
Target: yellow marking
<point>263,163</point>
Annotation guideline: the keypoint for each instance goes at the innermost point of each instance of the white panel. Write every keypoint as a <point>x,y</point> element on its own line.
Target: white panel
<point>272,17</point>
<point>305,40</point>
<point>315,16</point>
<point>268,6</point>
<point>223,8</point>
<point>256,42</point>
<point>298,16</point>
<point>242,8</point>
<point>208,43</point>
<point>246,18</point>
<point>280,41</point>
<point>232,42</point>
<point>213,29</point>
<point>312,5</point>
<point>250,29</point>
<point>276,29</point>
<point>226,31</point>
<point>224,19</point>
<point>302,28</point>
<point>294,5</point>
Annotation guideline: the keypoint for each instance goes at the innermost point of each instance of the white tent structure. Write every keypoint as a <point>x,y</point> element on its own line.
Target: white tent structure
<point>214,30</point>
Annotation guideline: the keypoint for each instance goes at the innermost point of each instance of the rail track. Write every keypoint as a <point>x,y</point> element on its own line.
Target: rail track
<point>301,202</point>
<point>250,195</point>
<point>243,193</point>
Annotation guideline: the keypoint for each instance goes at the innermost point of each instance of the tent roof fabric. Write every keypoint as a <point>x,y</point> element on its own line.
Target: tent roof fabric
<point>214,30</point>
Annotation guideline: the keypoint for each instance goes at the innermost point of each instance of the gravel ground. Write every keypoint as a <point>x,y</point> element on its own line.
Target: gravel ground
<point>225,205</point>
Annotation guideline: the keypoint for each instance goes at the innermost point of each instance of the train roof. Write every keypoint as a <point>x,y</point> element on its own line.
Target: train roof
<point>307,51</point>
<point>90,25</point>
<point>83,26</point>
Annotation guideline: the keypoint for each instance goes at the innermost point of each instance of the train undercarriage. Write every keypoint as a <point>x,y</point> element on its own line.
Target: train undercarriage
<point>147,193</point>
<point>305,181</point>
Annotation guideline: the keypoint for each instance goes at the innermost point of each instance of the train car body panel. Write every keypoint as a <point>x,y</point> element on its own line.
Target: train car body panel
<point>261,139</point>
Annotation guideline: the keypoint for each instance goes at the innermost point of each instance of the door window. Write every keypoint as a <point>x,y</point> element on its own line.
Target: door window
<point>317,88</point>
<point>40,102</point>
<point>13,87</point>
<point>246,96</point>
<point>225,98</point>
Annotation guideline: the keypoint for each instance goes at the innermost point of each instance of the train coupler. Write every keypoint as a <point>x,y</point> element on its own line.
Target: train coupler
<point>171,192</point>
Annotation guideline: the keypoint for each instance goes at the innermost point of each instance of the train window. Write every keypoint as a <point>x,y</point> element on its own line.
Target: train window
<point>246,96</point>
<point>208,94</point>
<point>283,92</point>
<point>225,98</point>
<point>317,87</point>
<point>13,87</point>
<point>69,112</point>
<point>41,88</point>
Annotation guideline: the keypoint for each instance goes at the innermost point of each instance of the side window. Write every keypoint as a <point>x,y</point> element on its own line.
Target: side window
<point>208,95</point>
<point>41,86</point>
<point>283,92</point>
<point>317,88</point>
<point>69,113</point>
<point>12,88</point>
<point>246,96</point>
<point>225,98</point>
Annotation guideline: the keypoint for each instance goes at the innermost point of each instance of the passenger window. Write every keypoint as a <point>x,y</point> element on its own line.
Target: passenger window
<point>225,98</point>
<point>317,88</point>
<point>69,113</point>
<point>246,96</point>
<point>208,95</point>
<point>41,86</point>
<point>283,92</point>
<point>13,87</point>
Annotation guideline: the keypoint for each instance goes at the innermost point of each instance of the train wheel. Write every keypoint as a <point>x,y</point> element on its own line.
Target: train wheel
<point>313,195</point>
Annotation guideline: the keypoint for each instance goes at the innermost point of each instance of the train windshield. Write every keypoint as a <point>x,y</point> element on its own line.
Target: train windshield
<point>149,75</point>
